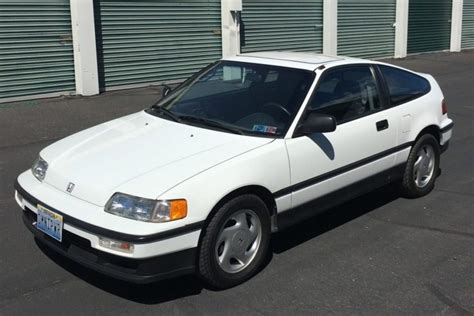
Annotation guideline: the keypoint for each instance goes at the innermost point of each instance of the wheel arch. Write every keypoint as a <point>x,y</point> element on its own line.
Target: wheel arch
<point>431,129</point>
<point>263,193</point>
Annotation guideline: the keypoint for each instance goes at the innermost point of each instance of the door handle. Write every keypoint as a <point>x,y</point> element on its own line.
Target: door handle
<point>381,125</point>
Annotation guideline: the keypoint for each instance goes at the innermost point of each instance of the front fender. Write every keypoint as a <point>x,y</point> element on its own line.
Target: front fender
<point>266,166</point>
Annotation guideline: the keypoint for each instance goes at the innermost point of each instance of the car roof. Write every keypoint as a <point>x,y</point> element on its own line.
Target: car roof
<point>301,60</point>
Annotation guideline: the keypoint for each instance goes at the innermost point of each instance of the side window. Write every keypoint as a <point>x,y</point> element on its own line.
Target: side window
<point>346,93</point>
<point>404,86</point>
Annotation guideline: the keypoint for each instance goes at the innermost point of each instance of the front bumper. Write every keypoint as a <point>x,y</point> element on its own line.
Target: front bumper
<point>147,270</point>
<point>80,250</point>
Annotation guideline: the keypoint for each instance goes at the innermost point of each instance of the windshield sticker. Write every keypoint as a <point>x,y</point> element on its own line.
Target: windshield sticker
<point>264,129</point>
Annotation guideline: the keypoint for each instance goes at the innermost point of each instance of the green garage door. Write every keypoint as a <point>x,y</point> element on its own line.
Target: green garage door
<point>149,41</point>
<point>366,28</point>
<point>36,54</point>
<point>283,25</point>
<point>429,25</point>
<point>467,40</point>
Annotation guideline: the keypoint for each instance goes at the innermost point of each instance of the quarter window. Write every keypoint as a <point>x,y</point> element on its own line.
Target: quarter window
<point>346,94</point>
<point>404,86</point>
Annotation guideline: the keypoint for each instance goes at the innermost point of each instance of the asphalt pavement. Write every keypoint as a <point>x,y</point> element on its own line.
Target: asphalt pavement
<point>378,254</point>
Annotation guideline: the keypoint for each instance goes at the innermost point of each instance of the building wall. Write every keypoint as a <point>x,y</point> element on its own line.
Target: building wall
<point>54,47</point>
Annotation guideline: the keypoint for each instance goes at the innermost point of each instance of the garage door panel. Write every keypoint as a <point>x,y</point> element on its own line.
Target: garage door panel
<point>365,28</point>
<point>467,39</point>
<point>36,53</point>
<point>156,41</point>
<point>283,25</point>
<point>429,25</point>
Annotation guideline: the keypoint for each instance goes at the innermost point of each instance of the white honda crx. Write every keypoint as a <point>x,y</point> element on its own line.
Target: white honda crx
<point>246,147</point>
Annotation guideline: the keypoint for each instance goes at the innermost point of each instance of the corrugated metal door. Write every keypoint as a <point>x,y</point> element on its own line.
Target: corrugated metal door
<point>429,25</point>
<point>283,25</point>
<point>366,28</point>
<point>36,54</point>
<point>144,41</point>
<point>467,40</point>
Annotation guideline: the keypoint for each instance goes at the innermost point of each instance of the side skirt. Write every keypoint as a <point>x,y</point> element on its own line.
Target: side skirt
<point>289,218</point>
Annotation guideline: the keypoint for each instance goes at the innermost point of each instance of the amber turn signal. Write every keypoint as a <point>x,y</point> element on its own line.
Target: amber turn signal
<point>178,209</point>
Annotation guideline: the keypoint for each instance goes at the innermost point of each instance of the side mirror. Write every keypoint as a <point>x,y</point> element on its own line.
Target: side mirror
<point>317,123</point>
<point>166,90</point>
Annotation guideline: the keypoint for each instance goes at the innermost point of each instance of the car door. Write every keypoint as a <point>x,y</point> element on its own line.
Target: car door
<point>360,146</point>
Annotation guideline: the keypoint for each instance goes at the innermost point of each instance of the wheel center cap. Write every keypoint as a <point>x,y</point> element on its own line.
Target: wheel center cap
<point>239,240</point>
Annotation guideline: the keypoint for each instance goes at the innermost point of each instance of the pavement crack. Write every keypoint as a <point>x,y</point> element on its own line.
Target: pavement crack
<point>18,295</point>
<point>433,229</point>
<point>454,192</point>
<point>447,301</point>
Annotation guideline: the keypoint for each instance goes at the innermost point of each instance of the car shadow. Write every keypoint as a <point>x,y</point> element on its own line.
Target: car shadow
<point>153,293</point>
<point>168,290</point>
<point>332,218</point>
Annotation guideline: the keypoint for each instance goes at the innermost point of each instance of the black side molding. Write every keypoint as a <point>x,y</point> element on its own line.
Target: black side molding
<point>341,170</point>
<point>96,230</point>
<point>446,128</point>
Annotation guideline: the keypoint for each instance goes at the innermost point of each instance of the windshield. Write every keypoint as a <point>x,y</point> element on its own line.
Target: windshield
<point>241,97</point>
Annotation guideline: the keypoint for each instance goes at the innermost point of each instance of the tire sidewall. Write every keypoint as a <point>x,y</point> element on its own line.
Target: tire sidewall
<point>411,189</point>
<point>223,279</point>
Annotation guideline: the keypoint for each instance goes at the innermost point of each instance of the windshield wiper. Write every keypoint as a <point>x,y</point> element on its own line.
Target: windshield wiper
<point>210,123</point>
<point>166,112</point>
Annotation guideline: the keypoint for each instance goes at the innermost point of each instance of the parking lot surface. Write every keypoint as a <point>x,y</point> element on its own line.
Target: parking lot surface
<point>378,254</point>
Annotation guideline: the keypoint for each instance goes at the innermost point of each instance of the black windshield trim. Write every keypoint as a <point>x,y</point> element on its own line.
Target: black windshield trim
<point>205,122</point>
<point>163,113</point>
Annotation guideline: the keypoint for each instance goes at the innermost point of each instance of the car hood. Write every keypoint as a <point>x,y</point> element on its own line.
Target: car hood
<point>138,154</point>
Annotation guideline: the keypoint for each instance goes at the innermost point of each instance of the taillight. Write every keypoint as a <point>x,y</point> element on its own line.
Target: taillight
<point>444,107</point>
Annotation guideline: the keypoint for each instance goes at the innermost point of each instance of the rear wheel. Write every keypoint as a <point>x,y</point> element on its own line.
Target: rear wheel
<point>235,242</point>
<point>422,167</point>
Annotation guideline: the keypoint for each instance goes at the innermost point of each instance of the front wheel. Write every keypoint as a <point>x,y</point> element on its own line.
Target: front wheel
<point>422,167</point>
<point>235,242</point>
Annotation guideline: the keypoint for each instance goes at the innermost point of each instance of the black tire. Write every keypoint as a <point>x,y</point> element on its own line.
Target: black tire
<point>209,269</point>
<point>409,187</point>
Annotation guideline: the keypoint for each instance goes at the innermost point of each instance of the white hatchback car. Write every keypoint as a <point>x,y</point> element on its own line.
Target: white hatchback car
<point>246,147</point>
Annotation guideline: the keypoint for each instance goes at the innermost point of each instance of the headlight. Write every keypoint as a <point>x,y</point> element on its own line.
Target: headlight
<point>39,168</point>
<point>146,210</point>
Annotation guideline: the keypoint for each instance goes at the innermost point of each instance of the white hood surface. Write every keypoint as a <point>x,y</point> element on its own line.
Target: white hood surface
<point>138,154</point>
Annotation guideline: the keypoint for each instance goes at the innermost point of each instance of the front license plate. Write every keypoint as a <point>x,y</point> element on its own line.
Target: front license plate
<point>50,223</point>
